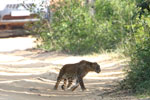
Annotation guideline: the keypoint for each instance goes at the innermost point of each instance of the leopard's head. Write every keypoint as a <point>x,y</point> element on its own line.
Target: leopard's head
<point>91,66</point>
<point>96,67</point>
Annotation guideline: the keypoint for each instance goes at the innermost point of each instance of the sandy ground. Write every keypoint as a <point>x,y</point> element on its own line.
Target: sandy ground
<point>31,74</point>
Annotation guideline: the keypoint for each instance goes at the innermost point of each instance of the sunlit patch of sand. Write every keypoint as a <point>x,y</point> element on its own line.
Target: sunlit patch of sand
<point>11,44</point>
<point>6,58</point>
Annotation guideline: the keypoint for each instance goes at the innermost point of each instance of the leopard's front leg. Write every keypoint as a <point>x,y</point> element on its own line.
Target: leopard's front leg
<point>80,76</point>
<point>80,79</point>
<point>57,83</point>
<point>59,78</point>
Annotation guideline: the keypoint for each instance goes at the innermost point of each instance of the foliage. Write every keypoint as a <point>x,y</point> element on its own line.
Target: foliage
<point>138,76</point>
<point>74,30</point>
<point>114,18</point>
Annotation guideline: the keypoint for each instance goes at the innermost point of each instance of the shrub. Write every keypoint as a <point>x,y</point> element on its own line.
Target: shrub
<point>138,75</point>
<point>73,30</point>
<point>114,17</point>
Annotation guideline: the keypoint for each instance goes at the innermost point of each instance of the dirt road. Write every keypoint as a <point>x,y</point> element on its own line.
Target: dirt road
<point>31,75</point>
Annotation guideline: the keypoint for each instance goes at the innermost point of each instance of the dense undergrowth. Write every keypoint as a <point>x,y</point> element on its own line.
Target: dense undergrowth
<point>138,76</point>
<point>118,25</point>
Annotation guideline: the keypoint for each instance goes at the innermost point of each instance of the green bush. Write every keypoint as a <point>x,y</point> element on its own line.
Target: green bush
<point>138,75</point>
<point>114,17</point>
<point>73,30</point>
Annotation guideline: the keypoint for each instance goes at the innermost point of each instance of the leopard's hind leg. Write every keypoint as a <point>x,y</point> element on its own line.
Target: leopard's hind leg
<point>64,85</point>
<point>60,77</point>
<point>75,86</point>
<point>70,80</point>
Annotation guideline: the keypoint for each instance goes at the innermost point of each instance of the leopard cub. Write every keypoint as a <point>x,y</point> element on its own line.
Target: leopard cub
<point>76,71</point>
